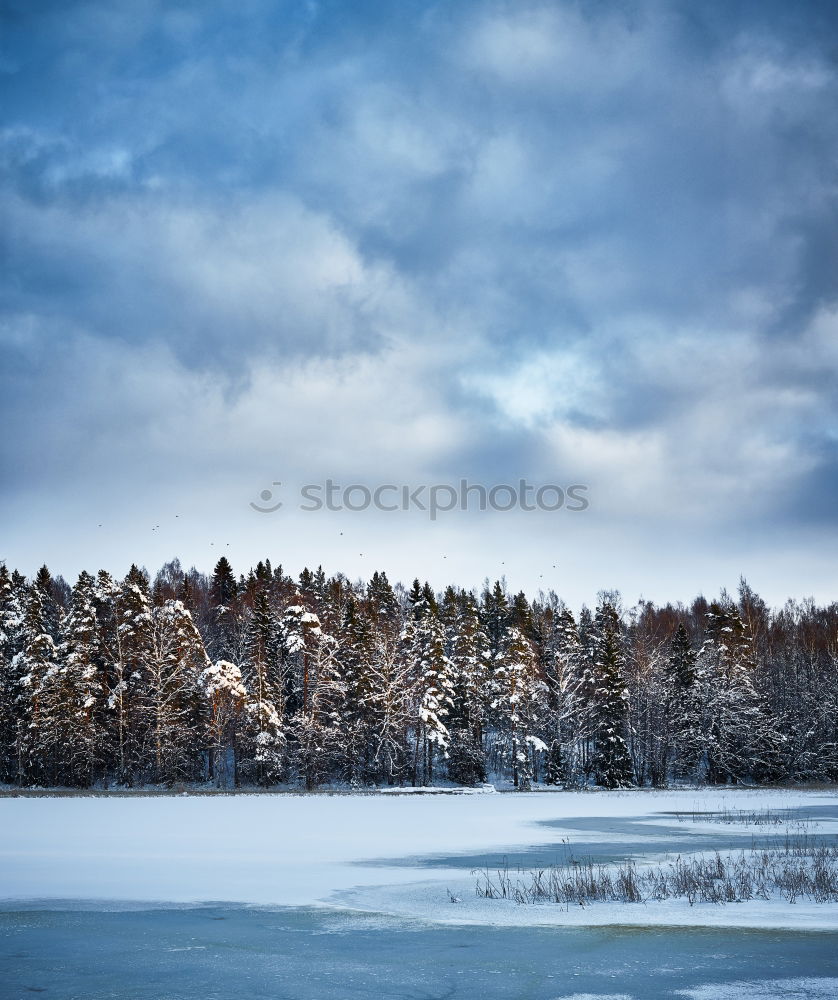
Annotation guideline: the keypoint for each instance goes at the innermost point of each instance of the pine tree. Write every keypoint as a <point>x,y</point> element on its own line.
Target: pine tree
<point>356,652</point>
<point>129,689</point>
<point>223,640</point>
<point>176,662</point>
<point>569,693</point>
<point>264,734</point>
<point>423,650</point>
<point>611,762</point>
<point>519,696</point>
<point>31,668</point>
<point>377,689</point>
<point>73,694</point>
<point>49,590</point>
<point>681,721</point>
<point>468,650</point>
<point>383,607</point>
<point>226,698</point>
<point>318,726</point>
<point>12,709</point>
<point>299,634</point>
<point>495,616</point>
<point>389,683</point>
<point>737,735</point>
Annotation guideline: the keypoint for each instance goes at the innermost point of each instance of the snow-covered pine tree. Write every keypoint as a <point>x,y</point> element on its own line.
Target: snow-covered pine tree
<point>318,728</point>
<point>391,700</point>
<point>467,646</point>
<point>12,709</point>
<point>495,615</point>
<point>73,695</point>
<point>106,601</point>
<point>224,632</point>
<point>299,635</point>
<point>681,721</point>
<point>52,591</point>
<point>611,762</point>
<point>737,734</point>
<point>176,661</point>
<point>315,693</point>
<point>383,607</point>
<point>263,757</point>
<point>223,688</point>
<point>518,703</point>
<point>355,655</point>
<point>128,698</point>
<point>430,676</point>
<point>568,715</point>
<point>37,760</point>
<point>804,683</point>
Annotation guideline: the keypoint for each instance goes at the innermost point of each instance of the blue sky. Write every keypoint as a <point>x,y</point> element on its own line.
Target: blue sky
<point>574,242</point>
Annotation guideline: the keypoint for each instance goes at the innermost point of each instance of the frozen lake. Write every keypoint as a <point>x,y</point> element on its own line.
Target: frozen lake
<point>301,953</point>
<point>347,897</point>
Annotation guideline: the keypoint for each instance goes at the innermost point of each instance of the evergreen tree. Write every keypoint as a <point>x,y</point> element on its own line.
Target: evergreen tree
<point>223,688</point>
<point>299,633</point>
<point>224,617</point>
<point>495,616</point>
<point>356,655</point>
<point>372,684</point>
<point>264,734</point>
<point>318,727</point>
<point>73,695</point>
<point>519,696</point>
<point>13,709</point>
<point>611,762</point>
<point>176,662</point>
<point>569,696</point>
<point>50,593</point>
<point>129,690</point>
<point>738,739</point>
<point>423,645</point>
<point>681,723</point>
<point>468,650</point>
<point>32,668</point>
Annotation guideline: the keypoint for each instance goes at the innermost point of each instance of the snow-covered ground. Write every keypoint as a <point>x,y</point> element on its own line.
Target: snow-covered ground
<point>283,850</point>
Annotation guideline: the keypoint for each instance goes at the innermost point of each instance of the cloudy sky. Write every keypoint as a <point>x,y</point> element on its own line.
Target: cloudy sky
<point>257,241</point>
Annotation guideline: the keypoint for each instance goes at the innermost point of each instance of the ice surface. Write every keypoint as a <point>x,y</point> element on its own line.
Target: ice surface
<point>785,989</point>
<point>295,850</point>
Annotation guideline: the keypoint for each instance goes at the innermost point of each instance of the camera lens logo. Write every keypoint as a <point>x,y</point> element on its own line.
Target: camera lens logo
<point>266,496</point>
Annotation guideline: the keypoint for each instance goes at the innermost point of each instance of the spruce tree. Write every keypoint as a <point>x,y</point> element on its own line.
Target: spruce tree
<point>31,669</point>
<point>519,696</point>
<point>176,661</point>
<point>423,645</point>
<point>264,735</point>
<point>356,655</point>
<point>611,763</point>
<point>468,651</point>
<point>226,697</point>
<point>682,706</point>
<point>13,710</point>
<point>737,734</point>
<point>495,613</point>
<point>74,694</point>
<point>223,640</point>
<point>569,693</point>
<point>129,690</point>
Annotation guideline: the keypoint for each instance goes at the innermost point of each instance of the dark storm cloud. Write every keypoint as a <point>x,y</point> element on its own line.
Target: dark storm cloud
<point>596,238</point>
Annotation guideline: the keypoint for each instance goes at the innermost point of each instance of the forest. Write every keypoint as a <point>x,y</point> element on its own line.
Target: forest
<point>264,680</point>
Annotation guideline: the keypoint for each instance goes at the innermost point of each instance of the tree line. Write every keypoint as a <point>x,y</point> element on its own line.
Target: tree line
<point>262,679</point>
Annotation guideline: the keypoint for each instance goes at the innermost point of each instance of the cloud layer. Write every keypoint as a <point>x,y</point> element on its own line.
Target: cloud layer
<point>247,242</point>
